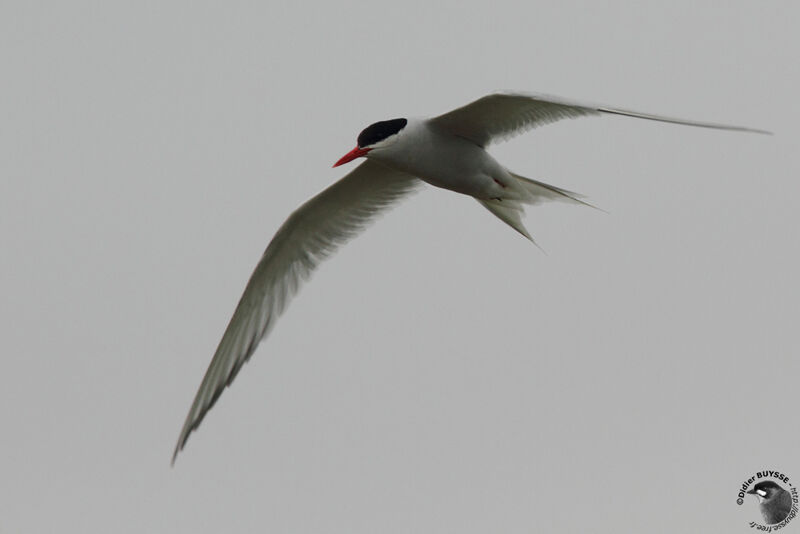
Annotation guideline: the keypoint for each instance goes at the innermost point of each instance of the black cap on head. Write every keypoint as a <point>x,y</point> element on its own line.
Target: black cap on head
<point>765,486</point>
<point>380,131</point>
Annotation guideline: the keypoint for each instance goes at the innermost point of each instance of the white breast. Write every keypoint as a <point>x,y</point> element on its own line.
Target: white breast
<point>442,160</point>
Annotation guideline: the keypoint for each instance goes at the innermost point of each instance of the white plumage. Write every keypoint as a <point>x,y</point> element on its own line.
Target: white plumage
<point>446,151</point>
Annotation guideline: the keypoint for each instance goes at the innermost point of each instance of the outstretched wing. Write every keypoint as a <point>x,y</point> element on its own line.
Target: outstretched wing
<point>311,234</point>
<point>500,116</point>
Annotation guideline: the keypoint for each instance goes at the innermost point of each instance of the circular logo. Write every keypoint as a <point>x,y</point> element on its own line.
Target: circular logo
<point>776,498</point>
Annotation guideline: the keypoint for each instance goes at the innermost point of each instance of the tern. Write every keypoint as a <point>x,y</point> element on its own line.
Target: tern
<point>447,151</point>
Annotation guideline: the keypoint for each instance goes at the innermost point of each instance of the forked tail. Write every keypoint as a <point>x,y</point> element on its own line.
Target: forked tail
<point>508,211</point>
<point>511,211</point>
<point>542,192</point>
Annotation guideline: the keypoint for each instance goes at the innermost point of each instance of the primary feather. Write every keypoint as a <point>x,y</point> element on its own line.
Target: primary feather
<point>500,116</point>
<point>311,234</point>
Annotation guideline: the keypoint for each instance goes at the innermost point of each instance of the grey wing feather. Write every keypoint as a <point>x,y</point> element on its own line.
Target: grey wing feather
<point>500,116</point>
<point>311,234</point>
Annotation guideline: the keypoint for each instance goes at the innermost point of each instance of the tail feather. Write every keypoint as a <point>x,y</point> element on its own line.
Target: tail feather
<point>542,192</point>
<point>510,211</point>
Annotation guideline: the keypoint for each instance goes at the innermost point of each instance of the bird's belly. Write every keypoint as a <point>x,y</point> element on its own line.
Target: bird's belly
<point>460,167</point>
<point>476,185</point>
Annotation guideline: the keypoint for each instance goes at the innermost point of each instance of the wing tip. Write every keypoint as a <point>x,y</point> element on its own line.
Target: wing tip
<point>682,122</point>
<point>182,439</point>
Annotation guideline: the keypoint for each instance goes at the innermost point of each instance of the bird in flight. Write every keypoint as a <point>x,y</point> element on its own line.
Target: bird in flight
<point>447,151</point>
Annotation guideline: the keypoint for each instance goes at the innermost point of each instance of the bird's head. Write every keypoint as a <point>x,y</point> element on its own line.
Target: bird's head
<point>375,137</point>
<point>766,490</point>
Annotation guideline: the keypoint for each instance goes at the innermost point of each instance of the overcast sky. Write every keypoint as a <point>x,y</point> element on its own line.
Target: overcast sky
<point>439,374</point>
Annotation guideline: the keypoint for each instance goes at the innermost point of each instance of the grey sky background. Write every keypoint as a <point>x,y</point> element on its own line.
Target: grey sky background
<point>439,374</point>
